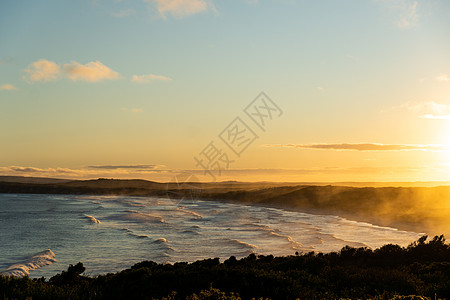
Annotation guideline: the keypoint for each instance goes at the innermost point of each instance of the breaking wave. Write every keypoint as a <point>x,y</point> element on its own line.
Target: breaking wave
<point>92,219</point>
<point>139,236</point>
<point>236,242</point>
<point>189,212</point>
<point>164,231</point>
<point>135,216</point>
<point>34,262</point>
<point>164,245</point>
<point>161,240</point>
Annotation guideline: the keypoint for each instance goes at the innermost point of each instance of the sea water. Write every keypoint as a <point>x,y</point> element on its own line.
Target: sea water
<point>41,235</point>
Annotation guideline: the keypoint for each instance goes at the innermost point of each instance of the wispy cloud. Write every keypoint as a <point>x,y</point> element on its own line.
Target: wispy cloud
<point>404,12</point>
<point>427,110</point>
<point>7,87</point>
<point>20,169</point>
<point>149,78</point>
<point>439,117</point>
<point>110,171</point>
<point>116,167</point>
<point>44,70</point>
<point>443,77</point>
<point>389,173</point>
<point>181,8</point>
<point>24,169</point>
<point>363,147</point>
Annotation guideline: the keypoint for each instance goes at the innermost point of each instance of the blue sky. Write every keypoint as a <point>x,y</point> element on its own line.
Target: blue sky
<point>135,82</point>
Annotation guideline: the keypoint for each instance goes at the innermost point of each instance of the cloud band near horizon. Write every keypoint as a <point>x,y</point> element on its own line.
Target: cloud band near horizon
<point>362,147</point>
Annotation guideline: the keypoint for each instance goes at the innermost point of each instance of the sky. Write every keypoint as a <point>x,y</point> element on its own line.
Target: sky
<point>250,90</point>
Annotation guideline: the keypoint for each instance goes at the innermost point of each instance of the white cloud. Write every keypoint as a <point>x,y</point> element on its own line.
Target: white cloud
<point>116,167</point>
<point>7,87</point>
<point>149,78</point>
<point>43,70</point>
<point>437,117</point>
<point>443,77</point>
<point>92,71</point>
<point>181,8</point>
<point>428,110</point>
<point>431,107</point>
<point>363,147</point>
<point>319,88</point>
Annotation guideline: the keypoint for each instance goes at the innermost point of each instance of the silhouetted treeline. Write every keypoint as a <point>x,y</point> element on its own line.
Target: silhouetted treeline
<point>421,269</point>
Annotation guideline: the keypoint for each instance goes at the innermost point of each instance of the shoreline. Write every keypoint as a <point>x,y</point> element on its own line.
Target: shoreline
<point>322,212</point>
<point>413,227</point>
<point>416,209</point>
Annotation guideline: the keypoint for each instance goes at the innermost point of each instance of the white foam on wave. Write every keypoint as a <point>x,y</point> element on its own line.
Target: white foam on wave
<point>164,245</point>
<point>240,243</point>
<point>132,233</point>
<point>131,203</point>
<point>92,219</point>
<point>189,212</point>
<point>275,232</point>
<point>139,236</point>
<point>331,239</point>
<point>161,240</point>
<point>137,216</point>
<point>294,244</point>
<point>34,262</point>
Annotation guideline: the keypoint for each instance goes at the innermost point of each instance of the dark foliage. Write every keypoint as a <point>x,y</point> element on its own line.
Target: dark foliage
<point>390,272</point>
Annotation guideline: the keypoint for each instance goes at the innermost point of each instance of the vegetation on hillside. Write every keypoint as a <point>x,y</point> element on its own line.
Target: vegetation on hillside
<point>389,272</point>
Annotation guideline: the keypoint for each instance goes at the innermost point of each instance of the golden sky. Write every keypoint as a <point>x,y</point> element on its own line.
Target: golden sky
<point>352,91</point>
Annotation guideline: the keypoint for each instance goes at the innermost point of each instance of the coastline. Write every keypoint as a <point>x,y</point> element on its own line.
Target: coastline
<point>417,209</point>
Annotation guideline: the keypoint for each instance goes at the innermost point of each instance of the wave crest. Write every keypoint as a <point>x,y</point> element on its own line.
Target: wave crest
<point>92,219</point>
<point>34,262</point>
<point>189,212</point>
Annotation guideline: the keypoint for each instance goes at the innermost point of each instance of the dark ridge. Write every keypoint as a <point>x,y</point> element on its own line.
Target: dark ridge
<point>38,180</point>
<point>391,272</point>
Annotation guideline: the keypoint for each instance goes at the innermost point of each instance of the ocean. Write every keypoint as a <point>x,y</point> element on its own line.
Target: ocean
<point>40,235</point>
